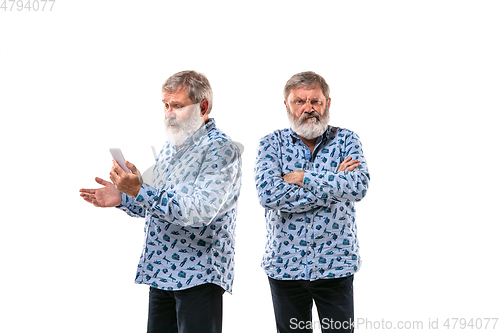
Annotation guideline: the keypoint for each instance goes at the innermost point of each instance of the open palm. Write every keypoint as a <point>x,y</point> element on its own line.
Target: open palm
<point>107,196</point>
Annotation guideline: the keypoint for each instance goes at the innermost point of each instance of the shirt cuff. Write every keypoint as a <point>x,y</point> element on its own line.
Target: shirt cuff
<point>126,203</point>
<point>149,197</point>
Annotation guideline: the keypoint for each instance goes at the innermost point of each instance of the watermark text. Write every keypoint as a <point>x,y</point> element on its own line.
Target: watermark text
<point>383,324</point>
<point>27,5</point>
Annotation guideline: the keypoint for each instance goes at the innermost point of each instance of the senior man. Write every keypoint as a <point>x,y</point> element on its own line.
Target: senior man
<point>189,210</point>
<point>308,178</point>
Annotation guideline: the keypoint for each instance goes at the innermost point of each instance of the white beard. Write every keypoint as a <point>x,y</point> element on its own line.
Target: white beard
<point>178,135</point>
<point>309,128</point>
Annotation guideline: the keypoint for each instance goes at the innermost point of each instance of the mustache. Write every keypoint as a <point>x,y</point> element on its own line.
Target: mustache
<point>308,115</point>
<point>172,121</point>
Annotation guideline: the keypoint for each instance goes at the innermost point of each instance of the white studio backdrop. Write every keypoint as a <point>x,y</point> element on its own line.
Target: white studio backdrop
<point>418,81</point>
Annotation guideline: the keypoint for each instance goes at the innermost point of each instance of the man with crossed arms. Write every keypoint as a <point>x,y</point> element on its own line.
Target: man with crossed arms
<point>308,178</point>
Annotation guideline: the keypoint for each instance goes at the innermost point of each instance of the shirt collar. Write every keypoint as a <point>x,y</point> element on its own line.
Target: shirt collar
<point>198,135</point>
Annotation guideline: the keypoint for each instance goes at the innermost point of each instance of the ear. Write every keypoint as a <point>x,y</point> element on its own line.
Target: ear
<point>204,106</point>
<point>329,102</point>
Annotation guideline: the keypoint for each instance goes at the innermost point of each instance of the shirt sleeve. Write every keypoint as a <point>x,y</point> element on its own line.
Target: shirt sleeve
<point>214,190</point>
<point>273,192</point>
<point>344,185</point>
<point>129,206</point>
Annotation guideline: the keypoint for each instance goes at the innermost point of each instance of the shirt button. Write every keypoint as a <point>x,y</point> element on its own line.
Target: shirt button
<point>309,247</point>
<point>308,225</point>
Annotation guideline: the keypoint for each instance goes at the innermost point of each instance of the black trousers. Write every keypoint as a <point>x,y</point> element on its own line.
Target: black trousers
<point>293,300</point>
<point>194,310</point>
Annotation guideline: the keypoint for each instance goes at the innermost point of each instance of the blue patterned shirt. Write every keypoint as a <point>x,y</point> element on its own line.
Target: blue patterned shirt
<point>311,230</point>
<point>190,213</point>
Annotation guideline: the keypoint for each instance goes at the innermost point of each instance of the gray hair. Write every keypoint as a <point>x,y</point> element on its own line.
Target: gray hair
<point>306,80</point>
<point>196,85</point>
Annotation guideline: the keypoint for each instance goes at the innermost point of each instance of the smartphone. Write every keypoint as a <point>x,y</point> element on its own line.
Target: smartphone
<point>118,156</point>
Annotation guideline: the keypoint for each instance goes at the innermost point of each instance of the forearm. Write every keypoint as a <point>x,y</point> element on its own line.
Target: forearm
<point>196,209</point>
<point>272,190</point>
<point>335,186</point>
<point>338,186</point>
<point>198,196</point>
<point>274,193</point>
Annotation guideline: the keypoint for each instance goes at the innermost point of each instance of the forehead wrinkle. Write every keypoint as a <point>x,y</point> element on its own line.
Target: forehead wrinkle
<point>180,93</point>
<point>307,96</point>
<point>172,101</point>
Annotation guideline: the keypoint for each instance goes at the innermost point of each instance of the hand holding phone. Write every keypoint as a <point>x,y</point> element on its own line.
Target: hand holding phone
<point>118,156</point>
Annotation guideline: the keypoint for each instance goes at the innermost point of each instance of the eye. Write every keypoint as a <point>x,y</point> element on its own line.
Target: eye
<point>299,102</point>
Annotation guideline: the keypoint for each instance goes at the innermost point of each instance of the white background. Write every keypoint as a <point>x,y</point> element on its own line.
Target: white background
<point>418,81</point>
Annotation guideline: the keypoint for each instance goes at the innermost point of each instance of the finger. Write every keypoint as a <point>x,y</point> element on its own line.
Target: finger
<point>346,161</point>
<point>348,165</point>
<point>87,197</point>
<point>131,167</point>
<point>102,181</point>
<point>87,190</point>
<point>118,169</point>
<point>353,167</point>
<point>351,163</point>
<point>113,177</point>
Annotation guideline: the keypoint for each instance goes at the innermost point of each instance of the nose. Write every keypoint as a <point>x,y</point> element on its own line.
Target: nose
<point>169,112</point>
<point>308,107</point>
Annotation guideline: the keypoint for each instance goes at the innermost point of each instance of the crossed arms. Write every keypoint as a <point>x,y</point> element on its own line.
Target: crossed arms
<point>303,190</point>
